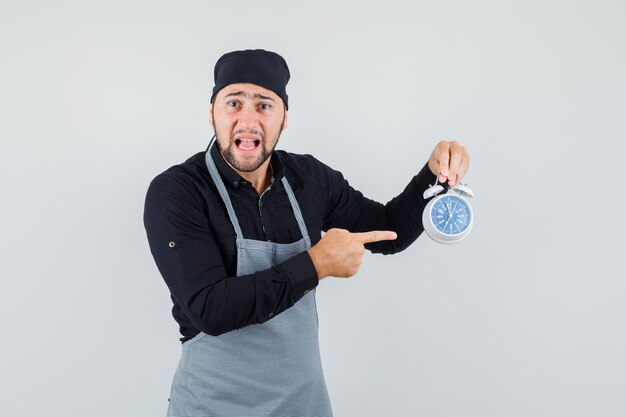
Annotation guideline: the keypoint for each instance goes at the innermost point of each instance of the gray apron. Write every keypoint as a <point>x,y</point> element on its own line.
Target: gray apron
<point>272,369</point>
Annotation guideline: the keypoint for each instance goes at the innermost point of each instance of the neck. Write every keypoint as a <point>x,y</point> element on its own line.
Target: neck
<point>260,178</point>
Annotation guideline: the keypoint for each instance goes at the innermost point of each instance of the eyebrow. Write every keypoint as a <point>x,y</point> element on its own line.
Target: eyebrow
<point>241,93</point>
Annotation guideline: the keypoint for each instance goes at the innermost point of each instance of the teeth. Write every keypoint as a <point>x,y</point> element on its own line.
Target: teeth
<point>247,144</point>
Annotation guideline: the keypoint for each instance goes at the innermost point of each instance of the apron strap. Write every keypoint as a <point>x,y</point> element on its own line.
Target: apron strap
<point>296,209</point>
<point>223,193</point>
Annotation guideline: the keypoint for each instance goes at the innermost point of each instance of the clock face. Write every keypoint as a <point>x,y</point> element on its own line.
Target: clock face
<point>450,215</point>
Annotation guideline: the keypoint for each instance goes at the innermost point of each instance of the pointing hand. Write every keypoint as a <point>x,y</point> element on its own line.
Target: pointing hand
<point>339,253</point>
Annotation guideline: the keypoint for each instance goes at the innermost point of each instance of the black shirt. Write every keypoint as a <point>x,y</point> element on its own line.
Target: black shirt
<point>193,242</point>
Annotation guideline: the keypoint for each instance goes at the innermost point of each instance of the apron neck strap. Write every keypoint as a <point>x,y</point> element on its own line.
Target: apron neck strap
<point>222,190</point>
<point>296,208</point>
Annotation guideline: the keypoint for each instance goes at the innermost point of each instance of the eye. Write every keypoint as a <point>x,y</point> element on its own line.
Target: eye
<point>232,103</point>
<point>265,106</point>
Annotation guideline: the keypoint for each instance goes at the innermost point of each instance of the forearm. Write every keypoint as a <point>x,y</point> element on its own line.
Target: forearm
<point>403,215</point>
<point>216,304</point>
<point>350,210</point>
<point>240,301</point>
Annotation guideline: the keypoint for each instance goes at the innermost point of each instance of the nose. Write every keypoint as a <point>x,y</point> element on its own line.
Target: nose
<point>248,118</point>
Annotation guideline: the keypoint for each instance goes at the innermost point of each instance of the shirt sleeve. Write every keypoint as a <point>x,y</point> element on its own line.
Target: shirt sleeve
<point>190,262</point>
<point>348,209</point>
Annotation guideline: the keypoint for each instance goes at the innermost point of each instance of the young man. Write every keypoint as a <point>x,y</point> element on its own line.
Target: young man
<point>236,234</point>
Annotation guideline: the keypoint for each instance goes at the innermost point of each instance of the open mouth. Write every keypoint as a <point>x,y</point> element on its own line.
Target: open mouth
<point>247,144</point>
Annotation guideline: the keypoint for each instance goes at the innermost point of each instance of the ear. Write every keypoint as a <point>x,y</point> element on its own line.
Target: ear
<point>286,120</point>
<point>211,114</point>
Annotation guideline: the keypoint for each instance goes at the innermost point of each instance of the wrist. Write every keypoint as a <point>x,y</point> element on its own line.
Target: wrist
<point>318,263</point>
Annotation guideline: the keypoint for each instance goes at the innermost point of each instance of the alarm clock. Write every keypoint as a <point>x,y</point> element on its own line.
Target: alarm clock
<point>448,218</point>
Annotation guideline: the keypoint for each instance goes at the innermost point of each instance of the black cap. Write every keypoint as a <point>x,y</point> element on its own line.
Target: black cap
<point>256,66</point>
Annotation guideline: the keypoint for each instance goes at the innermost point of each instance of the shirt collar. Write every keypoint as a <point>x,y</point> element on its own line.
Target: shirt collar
<point>235,180</point>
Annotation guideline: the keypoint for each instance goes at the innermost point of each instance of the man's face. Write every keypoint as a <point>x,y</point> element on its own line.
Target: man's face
<point>247,120</point>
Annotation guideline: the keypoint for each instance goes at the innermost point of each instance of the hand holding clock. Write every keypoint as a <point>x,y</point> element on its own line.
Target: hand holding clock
<point>442,221</point>
<point>450,160</point>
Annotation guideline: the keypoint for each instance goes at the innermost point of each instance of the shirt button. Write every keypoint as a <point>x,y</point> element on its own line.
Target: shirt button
<point>172,244</point>
<point>305,292</point>
<point>271,315</point>
<point>235,183</point>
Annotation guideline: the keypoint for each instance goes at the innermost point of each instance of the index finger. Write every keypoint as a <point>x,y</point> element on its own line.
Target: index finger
<point>375,236</point>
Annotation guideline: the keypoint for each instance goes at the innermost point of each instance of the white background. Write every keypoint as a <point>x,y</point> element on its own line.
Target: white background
<point>526,317</point>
